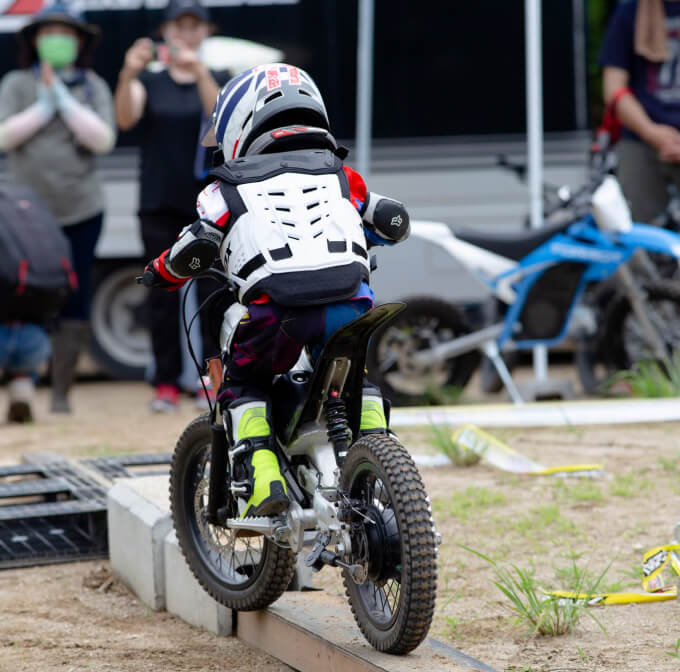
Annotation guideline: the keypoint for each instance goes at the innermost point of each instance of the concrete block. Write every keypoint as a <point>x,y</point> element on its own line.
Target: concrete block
<point>184,596</point>
<point>138,522</point>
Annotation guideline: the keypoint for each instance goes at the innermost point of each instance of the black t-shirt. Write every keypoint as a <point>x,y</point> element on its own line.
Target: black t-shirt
<point>170,129</point>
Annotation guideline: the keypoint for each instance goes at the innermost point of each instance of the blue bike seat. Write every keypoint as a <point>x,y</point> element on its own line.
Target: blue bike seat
<point>514,245</point>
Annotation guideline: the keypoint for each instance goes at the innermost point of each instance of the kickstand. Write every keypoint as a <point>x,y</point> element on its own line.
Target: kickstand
<point>490,349</point>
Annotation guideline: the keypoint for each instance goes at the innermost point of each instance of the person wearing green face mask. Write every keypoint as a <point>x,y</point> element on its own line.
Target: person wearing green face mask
<point>56,114</point>
<point>57,49</point>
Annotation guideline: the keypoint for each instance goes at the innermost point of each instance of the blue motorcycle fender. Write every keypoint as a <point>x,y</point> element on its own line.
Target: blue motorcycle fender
<point>650,238</point>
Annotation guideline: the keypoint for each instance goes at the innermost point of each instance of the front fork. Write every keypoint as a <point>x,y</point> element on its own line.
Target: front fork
<point>219,447</point>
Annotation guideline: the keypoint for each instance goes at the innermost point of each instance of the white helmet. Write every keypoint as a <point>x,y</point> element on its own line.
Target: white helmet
<point>263,99</point>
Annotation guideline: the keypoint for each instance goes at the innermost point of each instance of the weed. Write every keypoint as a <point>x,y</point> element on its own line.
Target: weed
<point>669,465</point>
<point>453,624</point>
<point>628,485</point>
<point>676,652</point>
<point>650,379</point>
<point>635,574</point>
<point>441,439</point>
<point>543,517</point>
<point>470,501</point>
<point>543,614</point>
<point>581,491</point>
<point>582,654</point>
<point>442,395</point>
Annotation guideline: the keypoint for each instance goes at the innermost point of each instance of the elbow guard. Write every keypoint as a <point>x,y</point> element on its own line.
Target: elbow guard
<point>192,253</point>
<point>387,217</point>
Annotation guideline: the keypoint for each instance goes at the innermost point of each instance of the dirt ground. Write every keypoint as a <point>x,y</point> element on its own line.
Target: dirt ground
<point>79,617</point>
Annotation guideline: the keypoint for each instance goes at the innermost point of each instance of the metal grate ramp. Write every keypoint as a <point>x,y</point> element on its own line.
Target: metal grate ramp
<point>55,511</point>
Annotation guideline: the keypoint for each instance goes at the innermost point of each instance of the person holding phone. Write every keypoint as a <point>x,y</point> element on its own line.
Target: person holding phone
<point>170,106</point>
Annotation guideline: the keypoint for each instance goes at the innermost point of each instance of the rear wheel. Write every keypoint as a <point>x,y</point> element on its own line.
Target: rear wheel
<point>393,607</point>
<point>424,323</point>
<point>244,573</point>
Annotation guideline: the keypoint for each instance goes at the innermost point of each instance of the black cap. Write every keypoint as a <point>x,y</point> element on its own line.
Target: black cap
<point>177,8</point>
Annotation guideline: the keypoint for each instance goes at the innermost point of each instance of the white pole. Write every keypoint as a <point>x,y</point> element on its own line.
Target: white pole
<point>364,85</point>
<point>534,103</point>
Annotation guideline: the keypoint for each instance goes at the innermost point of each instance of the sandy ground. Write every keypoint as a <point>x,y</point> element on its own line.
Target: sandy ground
<point>79,617</point>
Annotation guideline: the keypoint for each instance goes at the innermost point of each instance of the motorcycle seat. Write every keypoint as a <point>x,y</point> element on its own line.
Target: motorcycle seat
<point>514,245</point>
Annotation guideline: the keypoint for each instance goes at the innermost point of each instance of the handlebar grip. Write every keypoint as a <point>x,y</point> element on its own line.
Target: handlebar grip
<point>147,279</point>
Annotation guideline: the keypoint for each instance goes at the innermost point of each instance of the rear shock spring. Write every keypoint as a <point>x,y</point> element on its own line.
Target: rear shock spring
<point>337,426</point>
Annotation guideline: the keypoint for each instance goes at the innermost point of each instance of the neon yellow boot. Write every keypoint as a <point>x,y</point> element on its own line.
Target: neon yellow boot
<point>256,475</point>
<point>373,418</point>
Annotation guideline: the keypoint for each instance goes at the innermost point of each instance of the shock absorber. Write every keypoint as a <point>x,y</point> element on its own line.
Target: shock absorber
<point>337,427</point>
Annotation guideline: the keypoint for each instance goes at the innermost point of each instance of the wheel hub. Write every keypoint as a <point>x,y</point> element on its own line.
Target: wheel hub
<point>382,545</point>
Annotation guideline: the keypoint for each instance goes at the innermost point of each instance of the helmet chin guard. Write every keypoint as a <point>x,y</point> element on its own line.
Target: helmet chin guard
<point>291,138</point>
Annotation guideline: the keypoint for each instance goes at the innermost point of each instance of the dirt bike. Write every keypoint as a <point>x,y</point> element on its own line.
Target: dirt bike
<point>540,276</point>
<point>359,493</point>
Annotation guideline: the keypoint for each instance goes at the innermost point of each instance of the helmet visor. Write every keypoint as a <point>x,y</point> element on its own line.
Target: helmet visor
<point>209,139</point>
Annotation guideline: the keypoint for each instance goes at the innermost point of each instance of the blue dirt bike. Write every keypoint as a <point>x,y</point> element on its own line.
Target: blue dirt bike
<point>541,276</point>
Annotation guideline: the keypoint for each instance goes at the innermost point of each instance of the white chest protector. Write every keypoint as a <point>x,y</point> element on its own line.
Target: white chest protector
<point>297,238</point>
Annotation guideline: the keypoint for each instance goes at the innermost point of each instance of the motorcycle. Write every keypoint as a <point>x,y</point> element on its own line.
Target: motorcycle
<point>541,275</point>
<point>359,494</point>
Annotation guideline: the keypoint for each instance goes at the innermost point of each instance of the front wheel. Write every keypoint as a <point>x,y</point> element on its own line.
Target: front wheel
<point>244,573</point>
<point>622,342</point>
<point>393,539</point>
<point>423,324</point>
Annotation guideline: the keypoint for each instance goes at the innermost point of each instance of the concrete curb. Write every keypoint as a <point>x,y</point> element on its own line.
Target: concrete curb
<point>144,552</point>
<point>185,598</point>
<point>137,527</point>
<point>542,414</point>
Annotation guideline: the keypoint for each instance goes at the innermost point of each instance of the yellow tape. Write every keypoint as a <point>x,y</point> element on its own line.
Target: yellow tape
<point>500,455</point>
<point>617,598</point>
<point>654,564</point>
<point>569,468</point>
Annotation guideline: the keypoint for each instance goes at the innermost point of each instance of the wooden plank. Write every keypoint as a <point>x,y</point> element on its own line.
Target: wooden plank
<point>314,631</point>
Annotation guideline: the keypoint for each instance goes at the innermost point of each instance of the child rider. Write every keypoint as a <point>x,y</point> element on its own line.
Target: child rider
<point>292,226</point>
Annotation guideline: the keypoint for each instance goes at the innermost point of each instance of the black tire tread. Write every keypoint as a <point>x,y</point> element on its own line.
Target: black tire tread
<point>277,571</point>
<point>609,347</point>
<point>418,543</point>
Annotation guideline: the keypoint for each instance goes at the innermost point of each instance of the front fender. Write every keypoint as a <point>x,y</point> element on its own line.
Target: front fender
<point>650,238</point>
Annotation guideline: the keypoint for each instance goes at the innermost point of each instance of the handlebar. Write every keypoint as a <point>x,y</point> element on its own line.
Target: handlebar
<point>148,277</point>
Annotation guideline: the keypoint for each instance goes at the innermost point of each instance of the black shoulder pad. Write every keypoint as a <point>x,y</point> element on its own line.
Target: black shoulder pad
<point>262,167</point>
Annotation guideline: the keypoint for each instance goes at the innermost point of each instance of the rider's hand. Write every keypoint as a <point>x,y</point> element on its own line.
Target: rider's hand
<point>138,56</point>
<point>666,140</point>
<point>156,275</point>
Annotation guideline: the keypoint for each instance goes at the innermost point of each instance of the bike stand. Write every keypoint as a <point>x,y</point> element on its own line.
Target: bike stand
<point>548,388</point>
<point>490,349</point>
<point>534,390</point>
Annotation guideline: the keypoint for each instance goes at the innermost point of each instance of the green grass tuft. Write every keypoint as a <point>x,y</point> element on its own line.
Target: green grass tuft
<point>441,439</point>
<point>541,613</point>
<point>468,502</point>
<point>649,379</point>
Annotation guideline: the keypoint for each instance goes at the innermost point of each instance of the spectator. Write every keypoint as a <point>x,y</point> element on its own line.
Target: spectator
<point>170,106</point>
<point>55,115</point>
<point>24,348</point>
<point>641,59</point>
